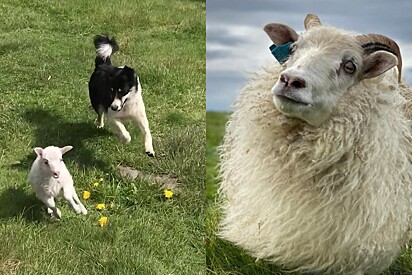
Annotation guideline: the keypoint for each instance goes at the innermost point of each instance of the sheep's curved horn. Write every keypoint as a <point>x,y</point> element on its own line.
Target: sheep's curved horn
<point>377,42</point>
<point>311,21</point>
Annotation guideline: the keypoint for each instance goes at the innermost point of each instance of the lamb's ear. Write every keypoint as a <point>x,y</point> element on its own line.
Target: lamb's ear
<point>38,151</point>
<point>65,149</point>
<point>377,63</point>
<point>280,34</point>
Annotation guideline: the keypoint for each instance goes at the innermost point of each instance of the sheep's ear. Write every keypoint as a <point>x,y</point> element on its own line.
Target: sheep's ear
<point>38,151</point>
<point>280,34</point>
<point>377,63</point>
<point>66,149</point>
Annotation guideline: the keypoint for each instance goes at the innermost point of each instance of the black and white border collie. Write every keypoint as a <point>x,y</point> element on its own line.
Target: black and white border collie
<point>117,92</point>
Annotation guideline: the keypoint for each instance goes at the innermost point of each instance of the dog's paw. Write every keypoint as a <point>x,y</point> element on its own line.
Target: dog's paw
<point>149,149</point>
<point>150,153</point>
<point>98,123</point>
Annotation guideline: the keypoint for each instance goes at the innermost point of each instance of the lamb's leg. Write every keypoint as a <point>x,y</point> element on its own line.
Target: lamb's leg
<point>120,130</point>
<point>49,202</point>
<point>79,203</point>
<point>49,211</point>
<point>68,194</point>
<point>143,124</point>
<point>99,122</point>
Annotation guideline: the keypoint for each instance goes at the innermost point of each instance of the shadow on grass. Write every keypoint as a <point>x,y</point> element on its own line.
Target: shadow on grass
<point>52,129</point>
<point>10,47</point>
<point>14,202</point>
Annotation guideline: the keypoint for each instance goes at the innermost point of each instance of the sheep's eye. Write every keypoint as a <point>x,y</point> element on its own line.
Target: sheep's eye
<point>349,67</point>
<point>46,162</point>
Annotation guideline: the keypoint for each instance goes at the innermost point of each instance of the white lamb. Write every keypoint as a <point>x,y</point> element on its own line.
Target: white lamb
<point>316,162</point>
<point>49,175</point>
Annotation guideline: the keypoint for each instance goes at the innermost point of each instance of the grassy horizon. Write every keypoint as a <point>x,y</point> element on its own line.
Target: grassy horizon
<point>47,53</point>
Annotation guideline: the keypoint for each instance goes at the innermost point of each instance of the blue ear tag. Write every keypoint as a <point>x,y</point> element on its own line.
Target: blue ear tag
<point>281,52</point>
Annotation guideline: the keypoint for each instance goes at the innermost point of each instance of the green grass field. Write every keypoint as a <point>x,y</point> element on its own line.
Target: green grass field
<point>225,258</point>
<point>47,56</point>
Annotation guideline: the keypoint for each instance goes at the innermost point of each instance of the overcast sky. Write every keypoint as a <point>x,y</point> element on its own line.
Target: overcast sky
<point>237,45</point>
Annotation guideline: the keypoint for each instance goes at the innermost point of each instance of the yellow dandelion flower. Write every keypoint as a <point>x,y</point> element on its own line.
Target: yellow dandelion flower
<point>96,184</point>
<point>103,221</point>
<point>168,193</point>
<point>100,206</point>
<point>86,195</point>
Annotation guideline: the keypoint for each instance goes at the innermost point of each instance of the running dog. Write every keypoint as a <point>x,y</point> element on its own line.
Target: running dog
<point>116,92</point>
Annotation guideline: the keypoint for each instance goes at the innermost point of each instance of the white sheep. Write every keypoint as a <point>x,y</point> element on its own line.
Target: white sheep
<point>315,169</point>
<point>49,175</point>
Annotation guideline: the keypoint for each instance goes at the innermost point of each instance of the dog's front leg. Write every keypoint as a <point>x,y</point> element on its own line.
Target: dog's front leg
<point>143,124</point>
<point>120,130</point>
<point>99,122</point>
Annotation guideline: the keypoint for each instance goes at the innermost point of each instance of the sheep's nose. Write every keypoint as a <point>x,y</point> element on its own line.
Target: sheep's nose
<point>56,174</point>
<point>293,81</point>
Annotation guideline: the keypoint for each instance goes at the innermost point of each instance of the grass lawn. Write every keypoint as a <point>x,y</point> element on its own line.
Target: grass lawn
<point>225,258</point>
<point>47,56</point>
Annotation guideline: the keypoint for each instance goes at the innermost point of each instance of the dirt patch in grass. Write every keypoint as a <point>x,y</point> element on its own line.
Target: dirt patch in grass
<point>165,181</point>
<point>9,266</point>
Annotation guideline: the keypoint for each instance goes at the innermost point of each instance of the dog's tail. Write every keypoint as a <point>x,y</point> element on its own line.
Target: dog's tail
<point>105,46</point>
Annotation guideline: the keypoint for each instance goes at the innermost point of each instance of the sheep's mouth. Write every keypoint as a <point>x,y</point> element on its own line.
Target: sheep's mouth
<point>292,100</point>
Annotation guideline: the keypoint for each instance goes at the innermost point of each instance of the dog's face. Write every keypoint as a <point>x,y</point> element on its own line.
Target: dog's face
<point>123,82</point>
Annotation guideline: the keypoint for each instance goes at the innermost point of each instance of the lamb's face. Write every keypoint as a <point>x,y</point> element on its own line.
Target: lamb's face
<point>51,160</point>
<point>320,70</point>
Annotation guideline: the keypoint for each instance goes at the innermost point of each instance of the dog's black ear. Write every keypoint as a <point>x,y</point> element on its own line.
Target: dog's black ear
<point>129,72</point>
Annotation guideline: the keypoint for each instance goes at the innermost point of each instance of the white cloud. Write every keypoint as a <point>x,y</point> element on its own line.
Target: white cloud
<point>242,57</point>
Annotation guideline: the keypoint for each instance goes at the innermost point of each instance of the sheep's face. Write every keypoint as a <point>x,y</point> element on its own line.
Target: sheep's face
<point>324,64</point>
<point>51,159</point>
<point>321,68</point>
